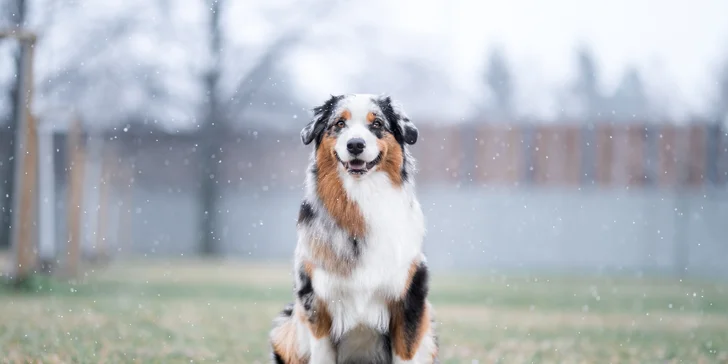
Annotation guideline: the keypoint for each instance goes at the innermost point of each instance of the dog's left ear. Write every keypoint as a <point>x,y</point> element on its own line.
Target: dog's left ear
<point>321,115</point>
<point>402,127</point>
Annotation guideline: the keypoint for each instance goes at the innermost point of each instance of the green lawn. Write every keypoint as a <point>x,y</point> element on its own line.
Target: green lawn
<point>221,312</point>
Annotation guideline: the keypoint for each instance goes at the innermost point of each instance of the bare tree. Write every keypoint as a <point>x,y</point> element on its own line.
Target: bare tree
<point>629,100</point>
<point>499,80</point>
<point>587,87</point>
<point>17,13</point>
<point>218,109</point>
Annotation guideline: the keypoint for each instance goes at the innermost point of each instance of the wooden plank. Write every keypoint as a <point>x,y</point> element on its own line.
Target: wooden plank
<point>556,156</point>
<point>667,145</point>
<point>439,153</point>
<point>499,159</point>
<point>76,168</point>
<point>604,155</point>
<point>573,155</point>
<point>25,250</point>
<point>26,153</point>
<point>722,157</point>
<point>628,164</point>
<point>696,154</point>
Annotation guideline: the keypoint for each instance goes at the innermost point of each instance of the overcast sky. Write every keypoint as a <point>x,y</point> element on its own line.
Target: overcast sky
<point>675,43</point>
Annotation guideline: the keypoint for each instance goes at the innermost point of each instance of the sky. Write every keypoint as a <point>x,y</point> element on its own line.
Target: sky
<point>675,44</point>
<point>368,46</point>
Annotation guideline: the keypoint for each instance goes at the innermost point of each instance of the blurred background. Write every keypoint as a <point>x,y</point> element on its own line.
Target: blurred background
<point>566,136</point>
<point>573,170</point>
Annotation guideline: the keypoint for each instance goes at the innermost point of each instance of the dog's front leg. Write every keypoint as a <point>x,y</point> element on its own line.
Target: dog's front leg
<point>411,328</point>
<point>318,319</point>
<point>322,348</point>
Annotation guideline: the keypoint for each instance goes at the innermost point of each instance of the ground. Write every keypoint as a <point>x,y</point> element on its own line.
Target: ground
<point>193,311</point>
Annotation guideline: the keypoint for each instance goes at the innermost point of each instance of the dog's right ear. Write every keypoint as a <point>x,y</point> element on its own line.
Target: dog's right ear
<point>321,115</point>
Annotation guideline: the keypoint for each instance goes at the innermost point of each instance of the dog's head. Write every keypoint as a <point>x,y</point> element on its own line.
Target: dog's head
<point>364,133</point>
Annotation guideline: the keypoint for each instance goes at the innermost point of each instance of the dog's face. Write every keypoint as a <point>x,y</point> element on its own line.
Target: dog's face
<point>361,132</point>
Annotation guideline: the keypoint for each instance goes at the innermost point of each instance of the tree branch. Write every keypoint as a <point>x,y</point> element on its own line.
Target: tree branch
<point>254,78</point>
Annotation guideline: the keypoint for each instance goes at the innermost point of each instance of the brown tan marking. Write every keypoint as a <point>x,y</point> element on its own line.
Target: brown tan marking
<point>371,117</point>
<point>346,115</point>
<point>331,191</point>
<point>318,320</point>
<point>285,341</point>
<point>392,158</point>
<point>326,257</point>
<point>308,267</point>
<point>404,349</point>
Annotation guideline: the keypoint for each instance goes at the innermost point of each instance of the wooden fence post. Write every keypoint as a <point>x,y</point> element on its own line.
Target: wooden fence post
<point>77,158</point>
<point>25,194</point>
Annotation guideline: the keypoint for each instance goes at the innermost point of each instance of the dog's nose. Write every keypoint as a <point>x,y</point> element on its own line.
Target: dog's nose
<point>355,146</point>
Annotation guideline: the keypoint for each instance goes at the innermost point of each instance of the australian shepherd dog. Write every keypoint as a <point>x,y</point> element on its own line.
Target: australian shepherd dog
<point>361,278</point>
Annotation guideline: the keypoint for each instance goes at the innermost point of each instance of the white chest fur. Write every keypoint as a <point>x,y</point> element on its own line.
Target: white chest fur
<point>395,229</point>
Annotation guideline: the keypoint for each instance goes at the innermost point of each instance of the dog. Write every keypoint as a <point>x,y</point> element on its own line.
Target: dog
<point>360,276</point>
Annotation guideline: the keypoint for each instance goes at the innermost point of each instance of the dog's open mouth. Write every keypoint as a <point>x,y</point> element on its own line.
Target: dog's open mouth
<point>359,167</point>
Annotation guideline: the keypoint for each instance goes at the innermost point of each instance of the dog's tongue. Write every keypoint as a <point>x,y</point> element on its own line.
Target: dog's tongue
<point>357,164</point>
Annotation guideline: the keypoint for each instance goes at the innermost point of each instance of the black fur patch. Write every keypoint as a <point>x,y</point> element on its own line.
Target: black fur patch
<point>387,348</point>
<point>277,358</point>
<point>414,303</point>
<point>410,134</point>
<point>379,132</point>
<point>355,245</point>
<point>403,172</point>
<point>392,126</point>
<point>306,213</point>
<point>305,291</point>
<point>288,310</point>
<point>323,113</point>
<point>385,105</point>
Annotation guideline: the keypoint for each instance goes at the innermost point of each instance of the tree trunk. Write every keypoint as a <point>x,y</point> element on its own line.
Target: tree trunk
<point>210,143</point>
<point>17,11</point>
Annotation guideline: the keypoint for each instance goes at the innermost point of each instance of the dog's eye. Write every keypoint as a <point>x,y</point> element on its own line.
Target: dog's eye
<point>341,123</point>
<point>377,124</point>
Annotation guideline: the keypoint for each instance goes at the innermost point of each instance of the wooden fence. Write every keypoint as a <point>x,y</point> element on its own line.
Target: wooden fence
<point>510,155</point>
<point>573,155</point>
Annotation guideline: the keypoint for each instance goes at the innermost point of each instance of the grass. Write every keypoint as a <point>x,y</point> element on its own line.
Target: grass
<point>193,311</point>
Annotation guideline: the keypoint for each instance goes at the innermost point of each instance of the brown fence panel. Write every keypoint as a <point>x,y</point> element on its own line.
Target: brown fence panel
<point>604,147</point>
<point>667,145</point>
<point>628,163</point>
<point>439,153</point>
<point>721,159</point>
<point>499,157</point>
<point>556,155</point>
<point>696,154</point>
